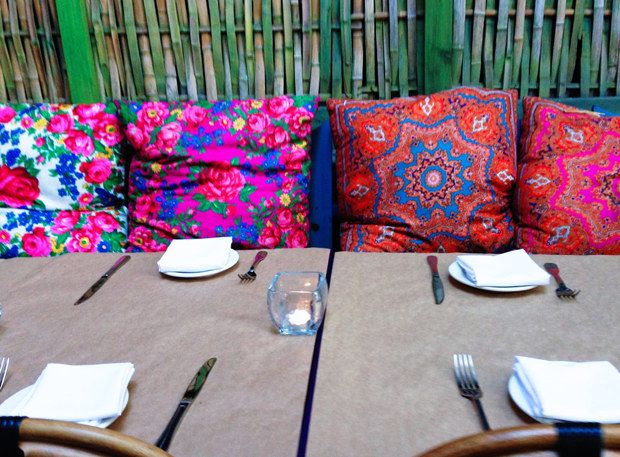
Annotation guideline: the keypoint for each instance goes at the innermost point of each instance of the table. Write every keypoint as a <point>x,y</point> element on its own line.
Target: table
<point>385,383</point>
<point>253,401</point>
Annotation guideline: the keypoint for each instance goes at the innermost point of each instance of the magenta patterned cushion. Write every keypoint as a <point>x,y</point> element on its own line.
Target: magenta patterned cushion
<point>61,180</point>
<point>227,168</point>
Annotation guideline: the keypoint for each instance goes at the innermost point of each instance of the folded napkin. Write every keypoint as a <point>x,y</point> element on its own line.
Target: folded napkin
<point>196,255</point>
<point>514,268</point>
<point>570,391</point>
<point>78,392</point>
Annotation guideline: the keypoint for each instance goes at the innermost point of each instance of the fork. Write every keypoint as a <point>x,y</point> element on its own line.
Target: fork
<point>250,275</point>
<point>562,291</point>
<point>467,381</point>
<point>4,368</point>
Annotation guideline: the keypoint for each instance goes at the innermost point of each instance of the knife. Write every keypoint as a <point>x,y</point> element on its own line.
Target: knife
<point>101,281</point>
<point>190,394</point>
<point>437,284</point>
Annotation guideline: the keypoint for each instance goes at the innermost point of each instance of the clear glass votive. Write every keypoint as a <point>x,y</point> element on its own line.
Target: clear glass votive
<point>297,301</point>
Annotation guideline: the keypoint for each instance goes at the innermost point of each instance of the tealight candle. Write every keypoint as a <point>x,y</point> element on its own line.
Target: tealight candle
<point>299,317</point>
<point>296,301</point>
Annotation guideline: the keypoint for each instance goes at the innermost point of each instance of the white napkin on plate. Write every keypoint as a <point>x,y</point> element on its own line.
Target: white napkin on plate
<point>570,391</point>
<point>196,255</point>
<point>514,268</point>
<point>78,392</point>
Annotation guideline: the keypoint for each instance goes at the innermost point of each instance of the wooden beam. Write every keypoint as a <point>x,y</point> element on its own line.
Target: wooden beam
<point>77,51</point>
<point>438,45</point>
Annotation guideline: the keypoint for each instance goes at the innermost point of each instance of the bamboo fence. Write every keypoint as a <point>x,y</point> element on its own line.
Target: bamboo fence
<point>224,49</point>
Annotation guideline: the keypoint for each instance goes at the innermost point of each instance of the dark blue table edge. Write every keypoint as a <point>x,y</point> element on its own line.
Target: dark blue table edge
<point>305,421</point>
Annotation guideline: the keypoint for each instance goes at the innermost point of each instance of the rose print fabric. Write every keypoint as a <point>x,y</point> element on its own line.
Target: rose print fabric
<point>428,173</point>
<point>227,168</point>
<point>61,180</point>
<point>568,196</point>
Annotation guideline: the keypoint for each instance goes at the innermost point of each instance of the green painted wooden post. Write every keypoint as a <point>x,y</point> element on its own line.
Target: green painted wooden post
<point>437,45</point>
<point>77,51</point>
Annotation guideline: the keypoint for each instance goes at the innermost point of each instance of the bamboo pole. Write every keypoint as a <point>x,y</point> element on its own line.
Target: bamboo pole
<point>315,71</point>
<point>150,82</point>
<point>278,47</point>
<point>518,41</point>
<point>403,65</point>
<point>231,43</point>
<point>206,44</point>
<point>228,76</point>
<point>289,53</point>
<point>249,46</point>
<point>501,39</point>
<point>458,40</point>
<point>172,89</point>
<point>558,39</point>
<point>476,47</point>
<point>297,47</point>
<point>5,60</point>
<point>134,63</point>
<point>614,40</point>
<point>243,69</point>
<point>336,51</point>
<point>258,47</point>
<point>412,15</point>
<point>34,50</point>
<point>358,50</point>
<point>539,10</point>
<point>597,37</point>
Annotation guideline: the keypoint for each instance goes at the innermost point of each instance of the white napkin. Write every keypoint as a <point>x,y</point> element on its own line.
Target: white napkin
<point>571,391</point>
<point>78,392</point>
<point>196,255</point>
<point>514,268</point>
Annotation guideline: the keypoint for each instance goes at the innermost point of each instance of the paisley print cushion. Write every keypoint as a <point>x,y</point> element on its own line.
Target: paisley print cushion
<point>428,173</point>
<point>568,197</point>
<point>61,180</point>
<point>227,168</point>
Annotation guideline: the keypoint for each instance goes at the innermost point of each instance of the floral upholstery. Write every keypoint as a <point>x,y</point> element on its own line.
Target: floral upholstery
<point>568,198</point>
<point>428,173</point>
<point>61,180</point>
<point>228,168</point>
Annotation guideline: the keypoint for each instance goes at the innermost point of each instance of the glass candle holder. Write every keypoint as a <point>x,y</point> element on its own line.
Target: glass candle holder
<point>297,301</point>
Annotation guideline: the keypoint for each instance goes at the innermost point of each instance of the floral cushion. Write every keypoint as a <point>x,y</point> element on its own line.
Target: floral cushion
<point>568,198</point>
<point>428,173</point>
<point>228,168</point>
<point>61,180</point>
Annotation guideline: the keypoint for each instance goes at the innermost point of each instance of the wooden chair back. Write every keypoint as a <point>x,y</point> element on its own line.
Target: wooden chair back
<point>85,438</point>
<point>508,441</point>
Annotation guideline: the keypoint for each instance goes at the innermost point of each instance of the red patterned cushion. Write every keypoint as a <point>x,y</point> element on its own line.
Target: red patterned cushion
<point>427,173</point>
<point>568,196</point>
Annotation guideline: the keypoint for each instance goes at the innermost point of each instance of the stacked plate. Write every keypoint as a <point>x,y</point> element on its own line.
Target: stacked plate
<point>195,258</point>
<point>513,271</point>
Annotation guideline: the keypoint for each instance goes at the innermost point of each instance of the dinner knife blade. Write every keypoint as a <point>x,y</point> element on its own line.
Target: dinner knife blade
<point>437,288</point>
<point>163,442</point>
<point>436,283</point>
<point>101,281</point>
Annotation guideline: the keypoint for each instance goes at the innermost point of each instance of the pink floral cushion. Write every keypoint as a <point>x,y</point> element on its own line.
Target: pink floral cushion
<point>228,168</point>
<point>61,180</point>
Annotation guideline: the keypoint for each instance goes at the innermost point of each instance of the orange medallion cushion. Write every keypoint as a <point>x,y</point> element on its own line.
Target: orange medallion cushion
<point>568,190</point>
<point>428,173</point>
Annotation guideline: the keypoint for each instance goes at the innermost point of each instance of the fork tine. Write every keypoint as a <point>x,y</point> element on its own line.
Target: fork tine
<point>4,368</point>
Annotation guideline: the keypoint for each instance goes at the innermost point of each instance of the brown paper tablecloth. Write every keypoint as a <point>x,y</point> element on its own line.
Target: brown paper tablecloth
<point>385,383</point>
<point>252,403</point>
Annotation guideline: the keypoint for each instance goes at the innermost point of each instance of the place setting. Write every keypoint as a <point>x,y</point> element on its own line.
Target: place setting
<point>94,395</point>
<point>198,257</point>
<point>550,391</point>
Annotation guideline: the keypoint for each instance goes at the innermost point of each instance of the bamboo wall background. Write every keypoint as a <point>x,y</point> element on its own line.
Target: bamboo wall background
<point>216,49</point>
